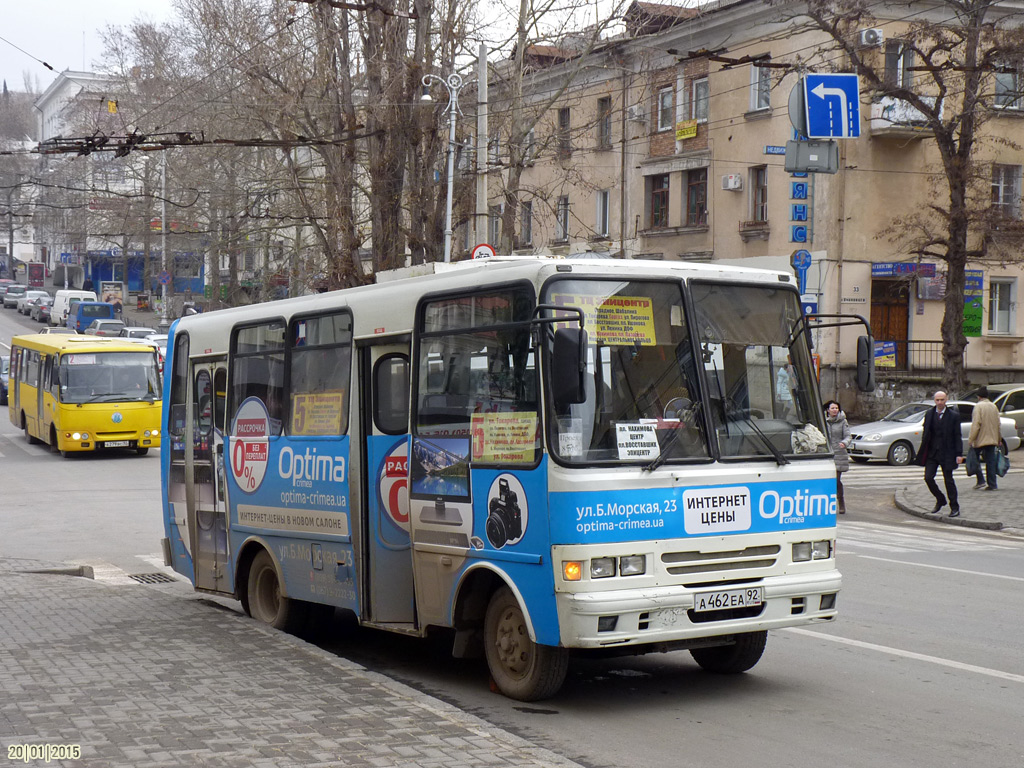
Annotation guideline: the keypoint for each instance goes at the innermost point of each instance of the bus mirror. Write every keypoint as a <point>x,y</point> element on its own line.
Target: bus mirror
<point>568,364</point>
<point>865,364</point>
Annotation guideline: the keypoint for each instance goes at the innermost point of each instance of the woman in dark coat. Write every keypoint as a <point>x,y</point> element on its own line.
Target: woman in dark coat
<point>837,430</point>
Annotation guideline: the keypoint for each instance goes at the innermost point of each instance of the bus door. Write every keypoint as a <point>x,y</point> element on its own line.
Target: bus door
<point>388,594</point>
<point>207,507</point>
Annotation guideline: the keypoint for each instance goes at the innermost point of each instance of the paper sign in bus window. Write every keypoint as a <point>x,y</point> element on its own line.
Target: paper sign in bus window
<point>504,438</point>
<point>317,413</point>
<point>614,320</point>
<point>637,442</point>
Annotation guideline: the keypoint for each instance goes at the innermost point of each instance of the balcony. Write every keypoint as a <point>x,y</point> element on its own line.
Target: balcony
<point>751,230</point>
<point>896,118</point>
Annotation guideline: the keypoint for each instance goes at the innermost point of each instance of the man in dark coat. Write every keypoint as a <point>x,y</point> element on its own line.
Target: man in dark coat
<point>942,445</point>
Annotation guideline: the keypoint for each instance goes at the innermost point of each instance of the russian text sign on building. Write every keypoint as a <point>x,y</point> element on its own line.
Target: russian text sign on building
<point>833,106</point>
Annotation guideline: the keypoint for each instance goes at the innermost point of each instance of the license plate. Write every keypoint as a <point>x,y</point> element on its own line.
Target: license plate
<point>117,443</point>
<point>728,598</point>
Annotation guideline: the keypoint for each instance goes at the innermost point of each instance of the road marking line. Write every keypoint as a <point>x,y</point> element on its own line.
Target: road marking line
<point>910,655</point>
<point>940,567</point>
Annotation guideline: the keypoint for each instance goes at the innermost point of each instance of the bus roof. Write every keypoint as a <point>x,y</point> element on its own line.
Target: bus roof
<point>377,316</point>
<point>58,343</point>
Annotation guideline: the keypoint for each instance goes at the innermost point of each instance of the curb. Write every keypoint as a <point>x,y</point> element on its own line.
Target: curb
<point>924,515</point>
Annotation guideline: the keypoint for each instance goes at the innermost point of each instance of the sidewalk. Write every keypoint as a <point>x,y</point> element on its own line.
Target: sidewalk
<point>155,675</point>
<point>992,510</point>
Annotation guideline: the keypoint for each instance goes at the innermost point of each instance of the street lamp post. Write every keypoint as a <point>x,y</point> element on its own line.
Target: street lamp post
<point>454,84</point>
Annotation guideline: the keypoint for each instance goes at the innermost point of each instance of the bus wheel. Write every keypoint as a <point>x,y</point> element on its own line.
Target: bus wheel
<point>735,658</point>
<point>24,425</point>
<point>142,451</point>
<point>521,668</point>
<point>265,602</point>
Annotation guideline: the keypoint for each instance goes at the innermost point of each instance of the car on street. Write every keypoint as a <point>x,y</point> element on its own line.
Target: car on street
<point>12,294</point>
<point>23,306</point>
<point>1008,398</point>
<point>159,340</point>
<point>136,332</point>
<point>4,283</point>
<point>896,438</point>
<point>104,328</point>
<point>58,329</point>
<point>5,365</point>
<point>41,309</point>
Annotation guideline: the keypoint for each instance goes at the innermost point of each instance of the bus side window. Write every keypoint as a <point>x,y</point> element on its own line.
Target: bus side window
<point>391,394</point>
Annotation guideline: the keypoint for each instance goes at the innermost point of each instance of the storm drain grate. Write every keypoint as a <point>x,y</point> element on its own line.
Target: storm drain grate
<point>151,578</point>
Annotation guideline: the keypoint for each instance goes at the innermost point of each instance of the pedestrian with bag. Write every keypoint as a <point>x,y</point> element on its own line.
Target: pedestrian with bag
<point>837,430</point>
<point>942,445</point>
<point>984,438</point>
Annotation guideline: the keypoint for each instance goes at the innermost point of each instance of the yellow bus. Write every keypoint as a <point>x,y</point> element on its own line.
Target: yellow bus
<point>85,393</point>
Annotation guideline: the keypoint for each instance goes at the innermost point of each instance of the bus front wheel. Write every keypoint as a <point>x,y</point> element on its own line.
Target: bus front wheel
<point>265,602</point>
<point>522,669</point>
<point>732,659</point>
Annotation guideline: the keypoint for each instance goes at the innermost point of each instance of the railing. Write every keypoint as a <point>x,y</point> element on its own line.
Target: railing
<point>900,358</point>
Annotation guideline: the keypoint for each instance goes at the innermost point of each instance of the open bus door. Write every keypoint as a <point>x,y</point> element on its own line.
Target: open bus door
<point>204,475</point>
<point>388,588</point>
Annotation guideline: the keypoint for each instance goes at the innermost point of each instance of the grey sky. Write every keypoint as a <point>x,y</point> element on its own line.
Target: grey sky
<point>63,33</point>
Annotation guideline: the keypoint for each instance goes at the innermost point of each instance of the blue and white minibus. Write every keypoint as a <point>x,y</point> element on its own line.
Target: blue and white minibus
<point>543,455</point>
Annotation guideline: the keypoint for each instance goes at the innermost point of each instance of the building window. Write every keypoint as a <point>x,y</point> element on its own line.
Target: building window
<point>759,193</point>
<point>526,222</point>
<point>659,199</point>
<point>604,199</point>
<point>494,230</point>
<point>899,58</point>
<point>604,122</point>
<point>1008,90</point>
<point>564,136</point>
<point>666,109</point>
<point>494,150</point>
<point>1001,306</point>
<point>696,214</point>
<point>530,150</point>
<point>699,102</point>
<point>562,219</point>
<point>760,88</point>
<point>1006,191</point>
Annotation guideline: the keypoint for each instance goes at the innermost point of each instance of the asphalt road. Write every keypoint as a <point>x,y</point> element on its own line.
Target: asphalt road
<point>924,667</point>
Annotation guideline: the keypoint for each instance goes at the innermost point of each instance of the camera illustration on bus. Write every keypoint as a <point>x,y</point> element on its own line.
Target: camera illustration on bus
<point>506,520</point>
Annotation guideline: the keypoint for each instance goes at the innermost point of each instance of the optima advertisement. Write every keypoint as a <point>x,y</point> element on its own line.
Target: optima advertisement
<point>601,517</point>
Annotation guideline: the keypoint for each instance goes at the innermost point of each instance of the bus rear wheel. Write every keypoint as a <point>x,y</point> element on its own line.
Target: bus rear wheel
<point>522,669</point>
<point>743,654</point>
<point>24,425</point>
<point>264,601</point>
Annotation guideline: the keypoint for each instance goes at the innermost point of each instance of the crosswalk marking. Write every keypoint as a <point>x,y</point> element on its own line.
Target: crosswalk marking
<point>885,476</point>
<point>859,536</point>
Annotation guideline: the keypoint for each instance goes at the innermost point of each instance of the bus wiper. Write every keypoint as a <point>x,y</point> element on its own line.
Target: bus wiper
<point>733,410</point>
<point>671,440</point>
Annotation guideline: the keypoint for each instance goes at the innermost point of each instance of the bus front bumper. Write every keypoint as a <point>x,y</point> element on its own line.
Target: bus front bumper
<point>666,614</point>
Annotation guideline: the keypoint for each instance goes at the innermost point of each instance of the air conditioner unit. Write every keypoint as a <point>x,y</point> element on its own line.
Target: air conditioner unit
<point>870,38</point>
<point>732,181</point>
<point>635,113</point>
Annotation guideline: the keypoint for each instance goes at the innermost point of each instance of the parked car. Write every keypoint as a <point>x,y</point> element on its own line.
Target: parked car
<point>12,294</point>
<point>41,309</point>
<point>5,364</point>
<point>58,329</point>
<point>4,282</point>
<point>136,332</point>
<point>30,295</point>
<point>104,328</point>
<point>1009,399</point>
<point>897,437</point>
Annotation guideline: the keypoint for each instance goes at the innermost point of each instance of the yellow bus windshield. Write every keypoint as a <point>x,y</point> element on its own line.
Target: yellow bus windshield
<point>103,377</point>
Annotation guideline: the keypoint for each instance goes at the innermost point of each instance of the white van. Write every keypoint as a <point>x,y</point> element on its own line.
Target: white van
<point>61,300</point>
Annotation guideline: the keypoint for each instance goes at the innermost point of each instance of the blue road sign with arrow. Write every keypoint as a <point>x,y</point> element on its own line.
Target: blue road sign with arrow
<point>833,106</point>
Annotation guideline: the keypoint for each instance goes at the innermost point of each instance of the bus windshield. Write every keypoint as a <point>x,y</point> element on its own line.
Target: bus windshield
<point>103,377</point>
<point>646,371</point>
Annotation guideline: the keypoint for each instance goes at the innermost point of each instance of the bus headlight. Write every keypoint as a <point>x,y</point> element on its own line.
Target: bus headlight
<point>632,565</point>
<point>76,435</point>
<point>156,433</point>
<point>821,550</point>
<point>602,567</point>
<point>572,570</point>
<point>801,551</point>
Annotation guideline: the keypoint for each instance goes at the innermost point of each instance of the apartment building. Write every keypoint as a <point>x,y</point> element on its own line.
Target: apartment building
<point>669,141</point>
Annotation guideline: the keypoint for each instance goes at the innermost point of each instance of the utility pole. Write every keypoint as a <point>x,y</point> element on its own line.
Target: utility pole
<point>454,84</point>
<point>164,323</point>
<point>480,220</point>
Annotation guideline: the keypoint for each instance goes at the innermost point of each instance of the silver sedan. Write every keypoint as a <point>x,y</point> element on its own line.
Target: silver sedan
<point>897,437</point>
